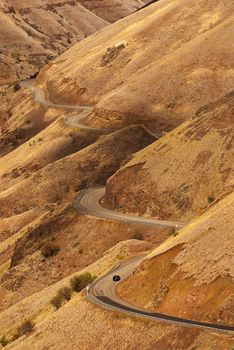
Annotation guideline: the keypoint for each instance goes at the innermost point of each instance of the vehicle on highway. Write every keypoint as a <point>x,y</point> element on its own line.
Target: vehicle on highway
<point>116,278</point>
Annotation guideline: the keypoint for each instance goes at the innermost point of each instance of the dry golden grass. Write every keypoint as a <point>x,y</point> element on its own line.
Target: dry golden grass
<point>182,51</point>
<point>91,166</point>
<point>183,173</point>
<point>112,10</point>
<point>157,67</point>
<point>191,275</point>
<point>81,325</point>
<point>33,32</point>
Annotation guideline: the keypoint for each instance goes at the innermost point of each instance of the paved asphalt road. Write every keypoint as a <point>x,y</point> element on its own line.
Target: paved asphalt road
<point>103,290</point>
<point>88,203</point>
<point>74,120</point>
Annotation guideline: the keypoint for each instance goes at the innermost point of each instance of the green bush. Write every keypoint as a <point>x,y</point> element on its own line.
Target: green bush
<point>80,282</point>
<point>49,249</point>
<point>25,328</point>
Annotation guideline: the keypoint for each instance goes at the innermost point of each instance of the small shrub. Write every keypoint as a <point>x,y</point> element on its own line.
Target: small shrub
<point>25,328</point>
<point>4,341</point>
<point>120,257</point>
<point>15,55</point>
<point>49,249</point>
<point>111,53</point>
<point>65,293</point>
<point>16,87</point>
<point>80,282</point>
<point>173,232</point>
<point>57,301</point>
<point>210,199</point>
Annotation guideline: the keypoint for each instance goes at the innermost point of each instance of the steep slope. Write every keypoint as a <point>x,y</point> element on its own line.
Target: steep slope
<point>23,118</point>
<point>183,52</point>
<point>112,10</point>
<point>34,32</point>
<point>183,173</point>
<point>54,142</point>
<point>152,71</point>
<point>39,202</point>
<point>80,325</point>
<point>191,275</point>
<point>80,240</point>
<point>88,167</point>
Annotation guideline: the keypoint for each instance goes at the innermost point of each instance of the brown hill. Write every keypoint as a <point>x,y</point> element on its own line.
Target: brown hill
<point>183,54</point>
<point>34,32</point>
<point>183,173</point>
<point>191,275</point>
<point>112,10</point>
<point>80,325</point>
<point>86,168</point>
<point>155,68</point>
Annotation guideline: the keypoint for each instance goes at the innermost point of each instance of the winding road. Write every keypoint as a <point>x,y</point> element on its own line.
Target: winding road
<point>89,203</point>
<point>73,120</point>
<point>103,290</point>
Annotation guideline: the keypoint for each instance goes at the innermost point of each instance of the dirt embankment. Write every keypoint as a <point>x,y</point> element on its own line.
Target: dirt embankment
<point>79,324</point>
<point>191,275</point>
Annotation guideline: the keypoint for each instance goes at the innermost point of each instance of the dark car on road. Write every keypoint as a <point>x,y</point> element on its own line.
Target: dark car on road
<point>116,278</point>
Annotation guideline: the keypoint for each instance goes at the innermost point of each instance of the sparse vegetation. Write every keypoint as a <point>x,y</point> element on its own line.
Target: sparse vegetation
<point>15,55</point>
<point>25,328</point>
<point>4,341</point>
<point>16,87</point>
<point>173,232</point>
<point>111,53</point>
<point>64,294</point>
<point>80,282</point>
<point>210,199</point>
<point>49,249</point>
<point>57,301</point>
